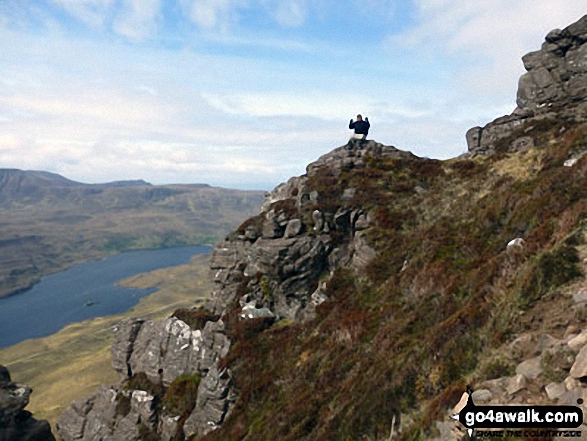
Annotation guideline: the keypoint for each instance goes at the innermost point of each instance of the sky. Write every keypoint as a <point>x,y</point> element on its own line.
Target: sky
<point>245,93</point>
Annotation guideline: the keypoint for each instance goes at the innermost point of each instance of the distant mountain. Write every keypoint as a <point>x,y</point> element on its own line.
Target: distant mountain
<point>16,183</point>
<point>20,183</point>
<point>48,222</point>
<point>137,183</point>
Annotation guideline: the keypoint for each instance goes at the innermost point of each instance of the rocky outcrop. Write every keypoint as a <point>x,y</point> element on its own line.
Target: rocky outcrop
<point>554,86</point>
<point>161,351</point>
<point>273,267</point>
<point>283,254</point>
<point>17,424</point>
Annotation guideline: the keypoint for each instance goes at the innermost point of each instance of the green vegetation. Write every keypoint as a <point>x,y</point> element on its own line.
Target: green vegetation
<point>180,396</point>
<point>394,342</point>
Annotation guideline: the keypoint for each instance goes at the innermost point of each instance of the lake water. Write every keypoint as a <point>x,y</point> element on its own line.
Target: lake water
<point>84,291</point>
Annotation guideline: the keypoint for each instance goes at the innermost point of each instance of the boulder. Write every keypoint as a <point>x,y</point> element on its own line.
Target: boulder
<point>294,227</point>
<point>515,384</point>
<point>516,245</point>
<point>579,368</point>
<point>530,369</point>
<point>555,390</point>
<point>17,424</point>
<point>250,311</point>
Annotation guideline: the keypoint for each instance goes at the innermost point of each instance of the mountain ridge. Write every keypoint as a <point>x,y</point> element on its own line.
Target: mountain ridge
<point>50,222</point>
<point>370,291</point>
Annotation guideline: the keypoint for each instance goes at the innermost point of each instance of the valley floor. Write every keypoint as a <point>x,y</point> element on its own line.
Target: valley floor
<point>72,363</point>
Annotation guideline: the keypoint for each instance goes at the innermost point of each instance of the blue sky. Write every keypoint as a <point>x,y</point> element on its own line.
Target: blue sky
<point>245,93</point>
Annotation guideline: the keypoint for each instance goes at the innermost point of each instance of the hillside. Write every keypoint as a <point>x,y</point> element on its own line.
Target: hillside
<point>370,291</point>
<point>48,222</point>
<point>71,363</point>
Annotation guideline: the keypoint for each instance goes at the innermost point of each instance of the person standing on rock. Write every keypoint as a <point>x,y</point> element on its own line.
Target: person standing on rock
<point>361,128</point>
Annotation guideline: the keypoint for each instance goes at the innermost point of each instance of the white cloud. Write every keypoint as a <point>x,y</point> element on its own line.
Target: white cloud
<point>486,38</point>
<point>327,106</point>
<point>213,14</point>
<point>137,19</point>
<point>93,13</point>
<point>289,13</point>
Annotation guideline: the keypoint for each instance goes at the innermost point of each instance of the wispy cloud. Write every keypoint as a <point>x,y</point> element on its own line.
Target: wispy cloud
<point>486,39</point>
<point>288,13</point>
<point>214,14</point>
<point>93,13</point>
<point>137,19</point>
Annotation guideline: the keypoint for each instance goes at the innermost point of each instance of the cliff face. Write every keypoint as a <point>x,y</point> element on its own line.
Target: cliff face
<point>554,86</point>
<point>368,292</point>
<point>272,268</point>
<point>17,424</point>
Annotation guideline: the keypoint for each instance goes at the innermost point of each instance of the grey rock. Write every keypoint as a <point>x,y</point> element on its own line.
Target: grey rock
<point>515,384</point>
<point>214,400</point>
<point>530,369</point>
<point>250,311</point>
<point>576,158</point>
<point>16,423</point>
<point>571,397</point>
<point>342,220</point>
<point>516,245</point>
<point>580,296</point>
<point>345,158</point>
<point>547,342</point>
<point>554,35</point>
<point>168,426</point>
<point>556,78</point>
<point>363,252</point>
<point>473,137</point>
<point>89,419</point>
<point>294,227</point>
<point>532,60</point>
<point>348,194</point>
<point>4,376</point>
<point>125,334</point>
<point>579,29</point>
<point>142,403</point>
<point>579,368</point>
<point>481,396</point>
<point>555,390</point>
<point>271,227</point>
<point>252,233</point>
<point>522,144</point>
<point>362,221</point>
<point>578,341</point>
<point>318,219</point>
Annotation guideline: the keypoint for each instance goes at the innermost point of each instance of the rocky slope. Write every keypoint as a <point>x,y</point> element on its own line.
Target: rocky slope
<point>17,424</point>
<point>368,292</point>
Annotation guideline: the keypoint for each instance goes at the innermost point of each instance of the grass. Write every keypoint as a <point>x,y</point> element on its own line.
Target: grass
<point>72,363</point>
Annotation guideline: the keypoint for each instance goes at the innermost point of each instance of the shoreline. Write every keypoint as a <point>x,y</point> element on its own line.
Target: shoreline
<point>74,361</point>
<point>64,296</point>
<point>31,285</point>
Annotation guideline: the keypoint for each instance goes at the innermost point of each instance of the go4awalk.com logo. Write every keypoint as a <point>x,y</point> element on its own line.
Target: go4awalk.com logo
<point>518,421</point>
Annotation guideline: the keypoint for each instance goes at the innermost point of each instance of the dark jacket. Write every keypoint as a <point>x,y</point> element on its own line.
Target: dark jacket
<point>361,127</point>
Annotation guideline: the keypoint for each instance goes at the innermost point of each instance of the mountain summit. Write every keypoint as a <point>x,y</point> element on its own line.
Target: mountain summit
<point>372,290</point>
